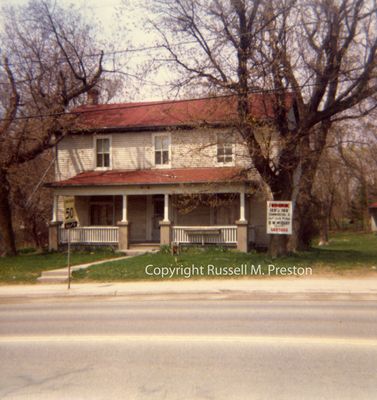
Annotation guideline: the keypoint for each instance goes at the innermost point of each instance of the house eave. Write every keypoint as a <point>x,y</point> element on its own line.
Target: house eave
<point>56,185</point>
<point>149,128</point>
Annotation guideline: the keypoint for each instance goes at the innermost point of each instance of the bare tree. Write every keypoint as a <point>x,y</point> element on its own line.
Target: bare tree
<point>320,55</point>
<point>359,158</point>
<point>49,62</point>
<point>346,178</point>
<point>31,201</point>
<point>330,192</point>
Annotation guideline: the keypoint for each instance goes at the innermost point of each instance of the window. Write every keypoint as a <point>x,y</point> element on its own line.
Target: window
<point>102,209</point>
<point>103,152</point>
<point>161,150</point>
<point>225,146</point>
<point>101,215</point>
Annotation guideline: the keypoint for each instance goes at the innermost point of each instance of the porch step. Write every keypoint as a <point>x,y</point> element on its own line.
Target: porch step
<point>143,248</point>
<point>135,252</point>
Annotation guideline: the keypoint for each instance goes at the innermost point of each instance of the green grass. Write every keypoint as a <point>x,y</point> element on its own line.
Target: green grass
<point>27,266</point>
<point>347,252</point>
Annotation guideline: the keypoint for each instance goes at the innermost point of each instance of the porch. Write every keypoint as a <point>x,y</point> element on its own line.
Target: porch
<point>159,220</point>
<point>223,212</point>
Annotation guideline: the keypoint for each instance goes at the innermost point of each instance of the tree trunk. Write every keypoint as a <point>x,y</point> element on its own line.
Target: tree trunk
<point>278,246</point>
<point>303,226</point>
<point>34,231</point>
<point>323,232</point>
<point>6,228</point>
<point>324,223</point>
<point>281,190</point>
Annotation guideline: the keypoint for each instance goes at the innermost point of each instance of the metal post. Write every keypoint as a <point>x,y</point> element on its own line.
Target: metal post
<point>68,258</point>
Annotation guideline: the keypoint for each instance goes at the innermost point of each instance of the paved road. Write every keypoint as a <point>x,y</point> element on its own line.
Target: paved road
<point>113,349</point>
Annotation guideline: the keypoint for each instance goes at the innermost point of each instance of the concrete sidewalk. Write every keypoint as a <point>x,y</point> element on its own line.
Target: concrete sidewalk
<point>225,288</point>
<point>60,275</point>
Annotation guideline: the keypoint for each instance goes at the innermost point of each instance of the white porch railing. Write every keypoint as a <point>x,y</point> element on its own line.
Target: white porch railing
<point>91,235</point>
<point>205,234</point>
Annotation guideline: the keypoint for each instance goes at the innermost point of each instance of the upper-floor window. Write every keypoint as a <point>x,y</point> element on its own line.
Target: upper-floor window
<point>161,150</point>
<point>102,152</point>
<point>225,148</point>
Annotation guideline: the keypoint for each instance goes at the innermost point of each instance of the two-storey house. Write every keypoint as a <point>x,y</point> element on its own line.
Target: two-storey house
<point>160,172</point>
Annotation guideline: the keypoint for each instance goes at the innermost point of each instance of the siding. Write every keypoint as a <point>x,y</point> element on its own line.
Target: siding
<point>132,151</point>
<point>189,148</point>
<point>194,148</point>
<point>198,148</point>
<point>74,155</point>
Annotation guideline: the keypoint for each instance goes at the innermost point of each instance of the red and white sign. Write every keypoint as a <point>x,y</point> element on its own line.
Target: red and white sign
<point>279,217</point>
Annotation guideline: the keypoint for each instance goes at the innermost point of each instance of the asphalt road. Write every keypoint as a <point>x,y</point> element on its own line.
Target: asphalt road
<point>113,349</point>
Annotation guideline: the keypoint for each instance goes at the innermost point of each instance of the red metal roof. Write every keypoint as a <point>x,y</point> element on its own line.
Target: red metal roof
<point>373,205</point>
<point>173,113</point>
<point>153,177</point>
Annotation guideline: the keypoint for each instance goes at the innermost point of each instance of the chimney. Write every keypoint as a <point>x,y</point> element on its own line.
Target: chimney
<point>92,96</point>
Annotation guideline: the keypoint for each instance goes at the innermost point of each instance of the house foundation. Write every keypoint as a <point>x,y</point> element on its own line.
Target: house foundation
<point>123,243</point>
<point>242,236</point>
<point>53,235</point>
<point>165,233</point>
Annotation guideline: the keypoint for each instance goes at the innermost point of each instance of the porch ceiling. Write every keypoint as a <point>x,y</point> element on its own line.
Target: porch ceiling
<point>155,177</point>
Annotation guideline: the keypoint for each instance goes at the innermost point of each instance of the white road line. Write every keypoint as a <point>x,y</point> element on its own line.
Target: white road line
<point>209,339</point>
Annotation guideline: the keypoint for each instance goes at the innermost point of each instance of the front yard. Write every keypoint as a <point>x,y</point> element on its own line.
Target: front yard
<point>27,267</point>
<point>346,253</point>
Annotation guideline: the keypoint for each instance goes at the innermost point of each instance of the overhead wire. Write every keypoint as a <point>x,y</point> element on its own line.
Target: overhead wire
<point>123,106</point>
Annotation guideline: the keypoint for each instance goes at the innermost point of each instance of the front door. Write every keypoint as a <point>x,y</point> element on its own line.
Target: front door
<point>157,216</point>
<point>137,218</point>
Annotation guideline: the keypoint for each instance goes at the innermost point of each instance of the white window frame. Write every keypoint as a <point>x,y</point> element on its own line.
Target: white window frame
<point>225,163</point>
<point>95,138</point>
<point>154,136</point>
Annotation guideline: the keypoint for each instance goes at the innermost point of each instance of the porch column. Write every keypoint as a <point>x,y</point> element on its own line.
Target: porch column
<point>242,206</point>
<point>242,227</point>
<point>165,224</point>
<point>55,208</point>
<point>166,208</point>
<point>123,226</point>
<point>124,208</point>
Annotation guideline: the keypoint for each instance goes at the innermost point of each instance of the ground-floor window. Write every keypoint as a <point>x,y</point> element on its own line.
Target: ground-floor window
<point>102,212</point>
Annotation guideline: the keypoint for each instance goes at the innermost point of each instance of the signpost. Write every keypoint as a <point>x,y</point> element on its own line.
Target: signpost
<point>279,217</point>
<point>70,222</point>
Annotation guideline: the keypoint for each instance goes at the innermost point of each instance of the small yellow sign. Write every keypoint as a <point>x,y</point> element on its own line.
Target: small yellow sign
<point>70,216</point>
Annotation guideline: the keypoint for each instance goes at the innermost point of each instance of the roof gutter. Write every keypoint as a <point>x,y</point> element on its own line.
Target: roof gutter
<point>57,185</point>
<point>148,128</point>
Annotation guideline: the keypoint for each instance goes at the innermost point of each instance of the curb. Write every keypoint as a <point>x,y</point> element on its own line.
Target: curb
<point>196,295</point>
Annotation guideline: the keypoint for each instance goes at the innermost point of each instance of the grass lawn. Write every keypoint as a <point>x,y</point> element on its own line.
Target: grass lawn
<point>347,252</point>
<point>26,268</point>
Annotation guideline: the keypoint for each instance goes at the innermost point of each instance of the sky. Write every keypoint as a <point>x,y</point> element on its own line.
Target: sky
<point>123,24</point>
